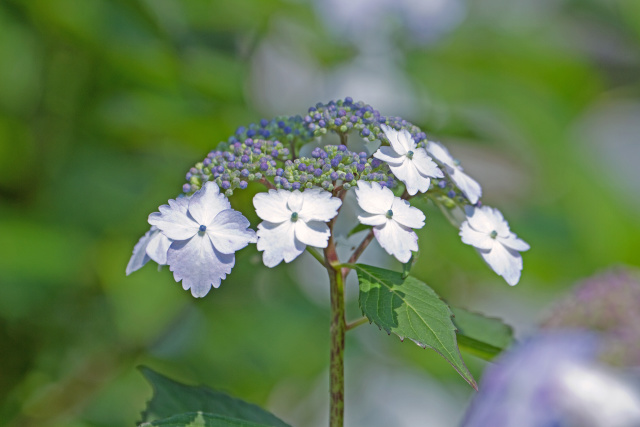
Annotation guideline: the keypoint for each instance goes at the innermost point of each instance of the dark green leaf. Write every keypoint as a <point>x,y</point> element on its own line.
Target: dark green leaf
<point>410,309</point>
<point>201,419</point>
<point>479,335</point>
<point>171,398</point>
<point>358,228</point>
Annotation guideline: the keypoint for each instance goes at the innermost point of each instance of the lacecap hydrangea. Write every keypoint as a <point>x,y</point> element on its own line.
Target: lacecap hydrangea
<point>307,165</point>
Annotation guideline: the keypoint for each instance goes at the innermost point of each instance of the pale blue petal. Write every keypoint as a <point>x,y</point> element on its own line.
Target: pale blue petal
<point>174,223</point>
<point>198,264</point>
<point>158,247</point>
<point>229,231</point>
<point>206,203</point>
<point>140,257</point>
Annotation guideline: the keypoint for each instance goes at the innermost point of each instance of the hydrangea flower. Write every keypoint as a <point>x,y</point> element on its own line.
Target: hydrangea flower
<point>487,231</point>
<point>469,187</point>
<point>392,219</point>
<point>410,164</point>
<point>550,380</point>
<point>205,234</point>
<point>291,221</point>
<point>153,245</point>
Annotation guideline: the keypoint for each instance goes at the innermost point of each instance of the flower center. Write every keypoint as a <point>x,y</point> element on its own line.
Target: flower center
<point>203,228</point>
<point>390,212</point>
<point>294,217</point>
<point>410,155</point>
<point>493,234</point>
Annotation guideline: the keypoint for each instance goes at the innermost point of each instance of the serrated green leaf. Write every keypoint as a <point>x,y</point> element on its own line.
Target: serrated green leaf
<point>171,398</point>
<point>201,419</point>
<point>482,336</point>
<point>410,309</point>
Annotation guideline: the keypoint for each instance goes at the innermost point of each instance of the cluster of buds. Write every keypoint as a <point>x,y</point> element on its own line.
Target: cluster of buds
<point>306,193</point>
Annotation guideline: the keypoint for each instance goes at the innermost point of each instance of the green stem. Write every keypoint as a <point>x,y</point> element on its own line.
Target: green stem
<point>316,255</point>
<point>357,323</point>
<point>338,329</point>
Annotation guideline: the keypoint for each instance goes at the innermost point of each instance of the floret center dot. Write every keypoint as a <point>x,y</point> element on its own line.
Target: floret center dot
<point>294,216</point>
<point>203,228</point>
<point>493,234</point>
<point>389,214</point>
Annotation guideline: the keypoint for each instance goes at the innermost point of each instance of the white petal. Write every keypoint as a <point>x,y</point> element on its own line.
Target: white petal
<point>405,138</point>
<point>181,204</point>
<point>469,187</point>
<point>272,206</point>
<point>486,220</point>
<point>441,154</point>
<point>392,136</point>
<point>206,203</point>
<point>475,238</point>
<point>278,243</point>
<point>312,233</point>
<point>373,198</point>
<point>506,263</point>
<point>513,242</point>
<point>158,248</point>
<point>397,240</point>
<point>406,214</point>
<point>229,231</point>
<point>174,223</point>
<point>295,201</point>
<point>319,205</point>
<point>140,257</point>
<point>412,179</point>
<point>386,154</point>
<point>198,264</point>
<point>372,219</point>
<point>425,164</point>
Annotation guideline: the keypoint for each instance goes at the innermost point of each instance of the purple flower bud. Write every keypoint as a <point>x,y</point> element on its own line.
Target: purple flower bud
<point>243,184</point>
<point>341,113</point>
<point>317,173</point>
<point>354,119</point>
<point>264,123</point>
<point>206,161</point>
<point>240,130</point>
<point>307,119</point>
<point>286,129</point>
<point>257,151</point>
<point>281,124</point>
<point>264,166</point>
<point>376,163</point>
<point>188,176</point>
<point>323,154</point>
<point>257,144</point>
<point>279,172</point>
<point>251,133</point>
<point>365,132</point>
<point>336,161</point>
<point>186,188</point>
<point>333,176</point>
<point>244,172</point>
<point>248,142</point>
<point>348,100</point>
<point>296,185</point>
<point>220,169</point>
<point>360,168</point>
<point>321,123</point>
<point>442,184</point>
<point>288,163</point>
<point>349,177</point>
<point>362,155</point>
<point>302,167</point>
<point>277,179</point>
<point>312,109</point>
<point>337,122</point>
<point>226,184</point>
<point>342,147</point>
<point>245,159</point>
<point>274,153</point>
<point>317,116</point>
<point>451,194</point>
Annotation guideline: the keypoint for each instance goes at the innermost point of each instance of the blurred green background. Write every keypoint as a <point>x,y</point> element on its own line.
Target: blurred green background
<point>104,106</point>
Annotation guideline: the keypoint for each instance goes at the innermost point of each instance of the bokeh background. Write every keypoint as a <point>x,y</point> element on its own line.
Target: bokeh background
<point>104,106</point>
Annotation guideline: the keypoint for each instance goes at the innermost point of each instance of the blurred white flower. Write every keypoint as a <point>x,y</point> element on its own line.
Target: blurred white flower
<point>552,380</point>
<point>410,164</point>
<point>291,221</point>
<point>391,217</point>
<point>469,187</point>
<point>205,234</point>
<point>487,231</point>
